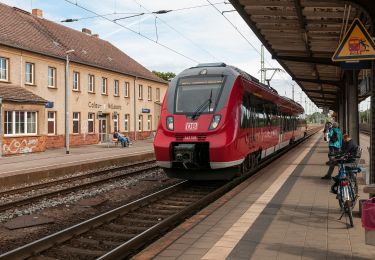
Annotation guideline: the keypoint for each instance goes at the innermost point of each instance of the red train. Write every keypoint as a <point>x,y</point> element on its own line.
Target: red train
<point>217,121</point>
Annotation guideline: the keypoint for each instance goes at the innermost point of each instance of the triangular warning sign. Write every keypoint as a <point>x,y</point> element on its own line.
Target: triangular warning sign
<point>357,44</point>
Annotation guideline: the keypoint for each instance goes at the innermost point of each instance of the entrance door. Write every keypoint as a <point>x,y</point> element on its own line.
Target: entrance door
<point>103,130</point>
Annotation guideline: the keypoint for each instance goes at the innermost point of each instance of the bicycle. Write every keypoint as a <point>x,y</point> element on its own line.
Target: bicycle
<point>346,186</point>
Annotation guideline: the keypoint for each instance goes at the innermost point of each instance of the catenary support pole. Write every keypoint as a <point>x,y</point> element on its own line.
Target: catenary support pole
<point>67,105</point>
<point>372,124</point>
<point>352,99</point>
<point>341,108</point>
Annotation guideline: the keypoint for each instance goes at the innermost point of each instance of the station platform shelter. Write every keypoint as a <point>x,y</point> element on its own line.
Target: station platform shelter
<point>286,211</point>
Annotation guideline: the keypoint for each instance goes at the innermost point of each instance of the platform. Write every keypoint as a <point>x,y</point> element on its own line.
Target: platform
<point>52,163</point>
<point>285,212</point>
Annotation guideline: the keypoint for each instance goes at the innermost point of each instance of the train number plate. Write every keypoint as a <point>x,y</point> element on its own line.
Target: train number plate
<point>191,126</point>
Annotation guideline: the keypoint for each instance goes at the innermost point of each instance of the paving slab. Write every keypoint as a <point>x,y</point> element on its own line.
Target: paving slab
<point>28,221</point>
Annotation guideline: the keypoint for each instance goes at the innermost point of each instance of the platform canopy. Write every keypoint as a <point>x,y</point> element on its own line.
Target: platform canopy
<point>302,35</point>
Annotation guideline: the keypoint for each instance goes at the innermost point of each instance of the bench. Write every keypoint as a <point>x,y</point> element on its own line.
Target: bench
<point>115,141</point>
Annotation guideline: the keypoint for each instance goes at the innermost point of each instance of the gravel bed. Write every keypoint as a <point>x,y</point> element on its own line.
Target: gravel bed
<point>66,212</point>
<point>69,198</point>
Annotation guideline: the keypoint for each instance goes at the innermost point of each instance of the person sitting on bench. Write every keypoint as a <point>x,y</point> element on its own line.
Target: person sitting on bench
<point>121,138</point>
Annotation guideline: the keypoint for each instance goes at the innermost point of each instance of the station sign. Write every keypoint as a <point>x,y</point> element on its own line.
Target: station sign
<point>356,45</point>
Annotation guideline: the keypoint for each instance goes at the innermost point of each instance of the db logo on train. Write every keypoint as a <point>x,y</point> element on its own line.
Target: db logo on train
<point>191,126</point>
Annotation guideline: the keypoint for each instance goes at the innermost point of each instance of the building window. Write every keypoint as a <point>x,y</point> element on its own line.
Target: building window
<point>149,93</point>
<point>51,123</point>
<point>20,123</point>
<point>158,94</point>
<point>51,77</point>
<point>104,86</point>
<point>76,81</point>
<point>91,81</point>
<point>4,71</point>
<point>140,92</point>
<point>76,124</point>
<point>29,73</point>
<point>127,122</point>
<point>126,91</point>
<point>8,123</point>
<point>116,88</point>
<point>90,123</point>
<point>115,122</point>
<point>140,123</point>
<point>149,122</point>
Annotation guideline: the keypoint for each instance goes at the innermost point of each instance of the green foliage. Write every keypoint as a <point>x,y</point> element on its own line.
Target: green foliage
<point>316,118</point>
<point>364,116</point>
<point>164,75</point>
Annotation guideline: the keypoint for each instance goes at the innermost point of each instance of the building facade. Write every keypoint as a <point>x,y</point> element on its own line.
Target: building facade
<point>107,90</point>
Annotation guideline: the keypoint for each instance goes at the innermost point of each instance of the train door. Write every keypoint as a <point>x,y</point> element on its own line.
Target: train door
<point>253,124</point>
<point>281,127</point>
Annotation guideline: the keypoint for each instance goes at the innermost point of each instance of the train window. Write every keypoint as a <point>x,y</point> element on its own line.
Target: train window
<point>198,93</point>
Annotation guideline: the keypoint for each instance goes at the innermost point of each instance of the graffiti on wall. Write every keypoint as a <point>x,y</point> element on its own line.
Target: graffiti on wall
<point>20,146</point>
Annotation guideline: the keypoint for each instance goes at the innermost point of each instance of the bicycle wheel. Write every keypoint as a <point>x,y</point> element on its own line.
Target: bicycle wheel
<point>348,210</point>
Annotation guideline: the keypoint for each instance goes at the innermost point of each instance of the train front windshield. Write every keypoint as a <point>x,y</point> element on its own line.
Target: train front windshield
<point>198,94</point>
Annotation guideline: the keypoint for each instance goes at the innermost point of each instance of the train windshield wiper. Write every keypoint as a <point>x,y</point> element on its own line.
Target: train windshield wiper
<point>201,108</point>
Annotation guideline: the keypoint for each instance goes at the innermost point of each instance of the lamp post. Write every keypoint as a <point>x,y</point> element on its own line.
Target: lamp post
<point>67,101</point>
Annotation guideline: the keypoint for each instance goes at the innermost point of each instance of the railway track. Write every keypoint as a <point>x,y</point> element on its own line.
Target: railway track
<point>72,184</point>
<point>364,131</point>
<point>119,233</point>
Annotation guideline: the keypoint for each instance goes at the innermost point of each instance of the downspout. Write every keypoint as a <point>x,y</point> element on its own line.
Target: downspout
<point>135,110</point>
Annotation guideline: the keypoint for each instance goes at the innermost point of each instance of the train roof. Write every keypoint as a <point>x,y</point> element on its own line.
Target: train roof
<point>223,68</point>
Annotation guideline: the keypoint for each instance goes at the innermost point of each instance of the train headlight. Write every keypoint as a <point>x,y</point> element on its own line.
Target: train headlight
<point>215,122</point>
<point>170,123</point>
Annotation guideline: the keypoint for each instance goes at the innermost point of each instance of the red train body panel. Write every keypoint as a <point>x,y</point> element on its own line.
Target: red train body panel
<point>215,116</point>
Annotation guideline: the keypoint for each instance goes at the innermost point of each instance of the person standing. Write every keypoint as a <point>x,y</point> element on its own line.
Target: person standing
<point>334,145</point>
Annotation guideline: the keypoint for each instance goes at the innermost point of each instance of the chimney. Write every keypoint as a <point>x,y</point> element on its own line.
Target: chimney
<point>37,12</point>
<point>87,31</point>
<point>95,35</point>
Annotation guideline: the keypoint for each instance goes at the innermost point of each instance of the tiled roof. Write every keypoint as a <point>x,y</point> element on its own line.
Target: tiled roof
<point>19,94</point>
<point>22,30</point>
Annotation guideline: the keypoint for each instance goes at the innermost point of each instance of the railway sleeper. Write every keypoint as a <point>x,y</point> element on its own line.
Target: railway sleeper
<point>175,202</point>
<point>189,196</point>
<point>88,242</point>
<point>146,216</point>
<point>159,211</point>
<point>125,229</point>
<point>169,206</point>
<point>114,236</point>
<point>137,222</point>
<point>182,199</point>
<point>69,252</point>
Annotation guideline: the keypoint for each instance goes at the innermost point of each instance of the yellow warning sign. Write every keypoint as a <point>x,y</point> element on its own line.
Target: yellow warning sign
<point>357,44</point>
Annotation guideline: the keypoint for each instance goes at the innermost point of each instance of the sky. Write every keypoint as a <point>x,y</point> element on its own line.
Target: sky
<point>193,32</point>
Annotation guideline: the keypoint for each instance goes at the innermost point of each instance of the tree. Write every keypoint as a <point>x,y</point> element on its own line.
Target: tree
<point>164,75</point>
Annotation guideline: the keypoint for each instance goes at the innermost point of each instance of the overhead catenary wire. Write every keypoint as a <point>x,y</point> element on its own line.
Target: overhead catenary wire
<point>244,37</point>
<point>137,13</point>
<point>175,30</point>
<point>131,30</point>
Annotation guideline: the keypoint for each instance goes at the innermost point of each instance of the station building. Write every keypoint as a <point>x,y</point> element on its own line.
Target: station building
<point>107,90</point>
